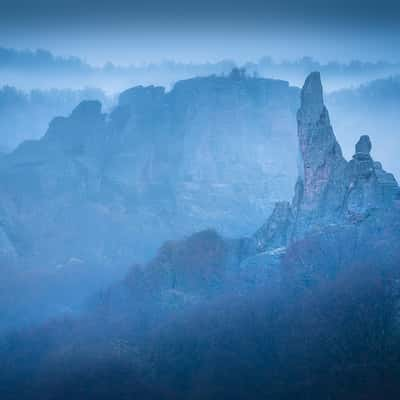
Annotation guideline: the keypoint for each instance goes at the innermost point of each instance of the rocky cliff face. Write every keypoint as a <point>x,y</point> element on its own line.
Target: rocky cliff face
<point>109,188</point>
<point>330,191</point>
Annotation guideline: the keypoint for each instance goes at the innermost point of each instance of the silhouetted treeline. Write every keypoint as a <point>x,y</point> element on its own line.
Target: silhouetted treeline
<point>47,70</point>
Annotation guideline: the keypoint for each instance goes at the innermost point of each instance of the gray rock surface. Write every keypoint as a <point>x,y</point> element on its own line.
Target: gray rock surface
<point>110,188</point>
<point>330,191</point>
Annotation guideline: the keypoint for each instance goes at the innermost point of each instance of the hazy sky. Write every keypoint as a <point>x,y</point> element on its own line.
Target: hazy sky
<point>135,31</point>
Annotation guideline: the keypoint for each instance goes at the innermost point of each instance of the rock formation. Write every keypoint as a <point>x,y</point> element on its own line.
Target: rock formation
<point>330,191</point>
<point>112,187</point>
<point>98,186</point>
<point>343,212</point>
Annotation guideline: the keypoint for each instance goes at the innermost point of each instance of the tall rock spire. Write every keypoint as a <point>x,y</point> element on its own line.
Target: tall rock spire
<point>312,101</point>
<point>320,154</point>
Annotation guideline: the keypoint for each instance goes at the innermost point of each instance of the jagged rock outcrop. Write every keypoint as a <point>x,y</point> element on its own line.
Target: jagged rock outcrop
<point>330,191</point>
<point>112,187</point>
<point>369,186</point>
<point>322,165</point>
